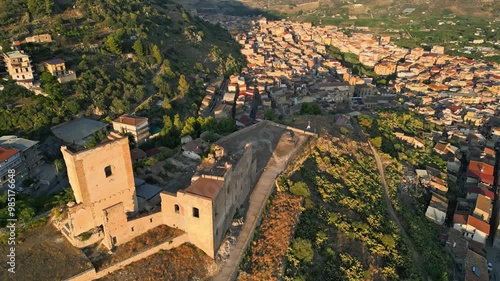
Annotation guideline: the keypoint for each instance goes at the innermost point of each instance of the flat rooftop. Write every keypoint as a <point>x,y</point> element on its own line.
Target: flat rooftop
<point>267,139</point>
<point>15,142</point>
<point>15,54</point>
<point>78,130</point>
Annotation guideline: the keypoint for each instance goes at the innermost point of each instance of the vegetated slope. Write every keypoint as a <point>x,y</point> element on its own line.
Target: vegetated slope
<point>410,204</point>
<point>122,51</point>
<point>345,232</point>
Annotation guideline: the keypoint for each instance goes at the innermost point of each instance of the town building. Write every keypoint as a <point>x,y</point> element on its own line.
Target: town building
<point>57,68</point>
<point>137,126</point>
<point>10,163</point>
<point>30,152</point>
<point>19,67</point>
<point>78,132</point>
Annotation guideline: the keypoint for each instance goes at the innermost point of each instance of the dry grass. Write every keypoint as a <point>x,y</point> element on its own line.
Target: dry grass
<point>44,254</point>
<point>147,240</point>
<point>185,262</point>
<point>276,230</point>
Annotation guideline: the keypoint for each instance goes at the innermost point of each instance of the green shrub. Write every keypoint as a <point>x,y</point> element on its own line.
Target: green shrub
<point>302,250</point>
<point>300,189</point>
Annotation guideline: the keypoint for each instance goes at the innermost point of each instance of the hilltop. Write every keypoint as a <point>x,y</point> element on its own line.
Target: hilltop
<point>122,51</point>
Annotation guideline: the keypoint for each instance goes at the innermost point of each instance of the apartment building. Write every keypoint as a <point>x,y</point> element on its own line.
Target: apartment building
<point>10,160</point>
<point>19,67</point>
<point>137,126</point>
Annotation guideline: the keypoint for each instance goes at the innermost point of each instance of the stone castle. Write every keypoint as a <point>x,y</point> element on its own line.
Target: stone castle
<point>106,207</point>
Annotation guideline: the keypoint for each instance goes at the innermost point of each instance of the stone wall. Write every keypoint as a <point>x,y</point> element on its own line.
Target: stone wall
<point>92,274</point>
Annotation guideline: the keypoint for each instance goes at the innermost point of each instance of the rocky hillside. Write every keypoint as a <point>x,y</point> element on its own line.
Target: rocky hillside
<point>122,51</point>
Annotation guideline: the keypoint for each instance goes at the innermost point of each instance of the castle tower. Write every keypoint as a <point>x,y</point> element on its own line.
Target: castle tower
<point>101,178</point>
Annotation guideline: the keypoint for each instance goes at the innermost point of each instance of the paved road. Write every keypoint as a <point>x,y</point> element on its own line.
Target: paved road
<point>493,256</point>
<point>258,200</point>
<point>416,255</point>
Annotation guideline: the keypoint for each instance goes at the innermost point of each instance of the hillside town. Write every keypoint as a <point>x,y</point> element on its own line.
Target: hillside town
<point>289,65</point>
<point>289,61</point>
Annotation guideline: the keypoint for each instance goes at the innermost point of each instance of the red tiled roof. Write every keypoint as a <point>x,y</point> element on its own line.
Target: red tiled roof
<point>460,218</point>
<point>479,224</point>
<point>6,153</point>
<point>205,187</point>
<point>130,120</point>
<point>482,171</point>
<point>489,151</point>
<point>483,191</point>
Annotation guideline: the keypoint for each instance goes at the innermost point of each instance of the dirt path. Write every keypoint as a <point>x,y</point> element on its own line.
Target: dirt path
<point>387,200</point>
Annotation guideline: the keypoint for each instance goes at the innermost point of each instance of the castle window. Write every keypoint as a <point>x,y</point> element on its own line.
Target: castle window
<point>108,171</point>
<point>132,229</point>
<point>150,220</point>
<point>196,212</point>
<point>176,207</point>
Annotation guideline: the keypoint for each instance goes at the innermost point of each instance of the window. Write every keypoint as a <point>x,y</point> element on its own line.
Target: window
<point>196,212</point>
<point>176,208</point>
<point>113,240</point>
<point>108,171</point>
<point>150,220</point>
<point>132,229</point>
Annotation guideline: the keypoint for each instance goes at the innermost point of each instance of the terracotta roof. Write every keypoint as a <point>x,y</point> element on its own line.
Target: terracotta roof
<point>482,171</point>
<point>483,203</point>
<point>460,218</point>
<point>130,120</point>
<point>489,151</point>
<point>479,224</point>
<point>6,153</point>
<point>205,187</point>
<point>482,191</point>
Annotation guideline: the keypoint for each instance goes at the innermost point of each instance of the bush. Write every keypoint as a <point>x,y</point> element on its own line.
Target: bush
<point>300,189</point>
<point>310,108</point>
<point>85,236</point>
<point>302,249</point>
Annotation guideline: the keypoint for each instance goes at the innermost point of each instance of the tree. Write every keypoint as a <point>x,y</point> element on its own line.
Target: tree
<point>226,126</point>
<point>300,189</point>
<point>50,85</point>
<point>167,125</point>
<point>59,164</point>
<point>113,45</point>
<point>156,53</point>
<point>166,104</point>
<point>177,122</point>
<point>310,108</point>
<point>138,48</point>
<point>189,127</point>
<point>302,250</point>
<point>269,114</point>
<point>183,86</point>
<point>49,7</point>
<point>377,142</point>
<point>36,7</point>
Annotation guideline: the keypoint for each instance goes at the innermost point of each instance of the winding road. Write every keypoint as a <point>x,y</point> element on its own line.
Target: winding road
<point>387,200</point>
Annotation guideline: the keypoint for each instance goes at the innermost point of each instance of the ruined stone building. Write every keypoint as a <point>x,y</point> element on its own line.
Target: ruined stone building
<point>106,206</point>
